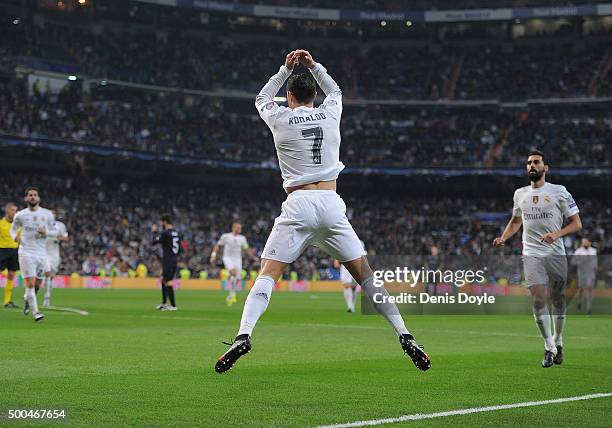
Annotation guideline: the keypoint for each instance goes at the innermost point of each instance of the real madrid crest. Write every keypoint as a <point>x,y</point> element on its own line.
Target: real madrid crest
<point>546,199</point>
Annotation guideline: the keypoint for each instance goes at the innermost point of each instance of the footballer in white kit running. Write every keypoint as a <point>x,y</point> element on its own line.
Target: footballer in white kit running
<point>53,257</point>
<point>307,141</point>
<point>541,208</point>
<point>36,225</point>
<point>233,243</point>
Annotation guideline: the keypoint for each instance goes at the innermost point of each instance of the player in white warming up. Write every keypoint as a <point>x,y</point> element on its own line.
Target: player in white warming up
<point>541,209</point>
<point>233,244</point>
<point>36,227</point>
<point>53,257</point>
<point>585,258</point>
<point>307,141</point>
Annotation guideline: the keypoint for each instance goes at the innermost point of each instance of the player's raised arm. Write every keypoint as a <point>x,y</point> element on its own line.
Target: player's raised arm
<point>333,93</point>
<point>264,101</point>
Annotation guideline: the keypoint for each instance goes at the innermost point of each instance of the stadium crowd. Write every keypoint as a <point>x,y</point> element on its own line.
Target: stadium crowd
<point>392,136</point>
<point>182,59</point>
<point>109,221</point>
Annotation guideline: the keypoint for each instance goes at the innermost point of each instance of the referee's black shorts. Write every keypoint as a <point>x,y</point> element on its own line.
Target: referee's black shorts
<point>169,272</point>
<point>9,259</point>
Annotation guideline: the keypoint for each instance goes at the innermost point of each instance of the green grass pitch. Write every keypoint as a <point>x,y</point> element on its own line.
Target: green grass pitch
<point>126,364</point>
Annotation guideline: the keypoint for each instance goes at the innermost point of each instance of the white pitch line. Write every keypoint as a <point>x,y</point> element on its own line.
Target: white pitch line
<point>420,416</point>
<point>179,318</point>
<point>72,310</point>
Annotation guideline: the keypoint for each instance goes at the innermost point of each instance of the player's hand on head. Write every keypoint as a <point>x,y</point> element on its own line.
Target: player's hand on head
<point>305,58</point>
<point>291,60</point>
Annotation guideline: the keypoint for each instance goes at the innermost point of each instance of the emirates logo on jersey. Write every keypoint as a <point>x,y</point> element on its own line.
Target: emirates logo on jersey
<point>536,199</point>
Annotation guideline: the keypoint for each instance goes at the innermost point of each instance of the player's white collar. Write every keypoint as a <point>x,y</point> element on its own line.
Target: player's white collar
<point>538,188</point>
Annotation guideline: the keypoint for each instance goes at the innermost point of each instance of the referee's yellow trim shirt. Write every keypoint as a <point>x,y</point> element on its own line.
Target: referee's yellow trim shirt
<point>5,234</point>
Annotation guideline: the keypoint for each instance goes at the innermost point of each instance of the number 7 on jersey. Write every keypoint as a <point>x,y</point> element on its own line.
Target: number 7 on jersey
<point>317,133</point>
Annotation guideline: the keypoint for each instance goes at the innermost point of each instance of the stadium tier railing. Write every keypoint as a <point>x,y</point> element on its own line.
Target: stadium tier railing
<point>80,147</point>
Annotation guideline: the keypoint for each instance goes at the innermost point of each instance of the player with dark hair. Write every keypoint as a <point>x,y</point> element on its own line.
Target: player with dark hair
<point>170,241</point>
<point>36,225</point>
<point>307,141</point>
<point>541,209</point>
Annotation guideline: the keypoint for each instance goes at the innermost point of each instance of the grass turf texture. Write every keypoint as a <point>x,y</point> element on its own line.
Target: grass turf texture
<point>312,363</point>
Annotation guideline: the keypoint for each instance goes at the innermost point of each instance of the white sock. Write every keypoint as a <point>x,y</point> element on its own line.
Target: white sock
<point>387,310</point>
<point>558,316</point>
<point>542,319</point>
<point>348,298</point>
<point>256,303</point>
<point>31,298</point>
<point>48,287</point>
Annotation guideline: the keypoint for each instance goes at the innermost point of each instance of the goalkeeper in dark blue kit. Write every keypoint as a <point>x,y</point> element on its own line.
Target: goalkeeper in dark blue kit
<point>170,241</point>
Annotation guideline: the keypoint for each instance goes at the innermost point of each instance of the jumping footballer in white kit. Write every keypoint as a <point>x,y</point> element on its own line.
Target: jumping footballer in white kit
<point>541,209</point>
<point>307,141</point>
<point>53,257</point>
<point>36,227</point>
<point>233,243</point>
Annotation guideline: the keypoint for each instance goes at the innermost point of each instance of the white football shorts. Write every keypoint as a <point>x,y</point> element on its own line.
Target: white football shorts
<point>32,266</point>
<point>312,217</point>
<point>233,263</point>
<point>53,264</point>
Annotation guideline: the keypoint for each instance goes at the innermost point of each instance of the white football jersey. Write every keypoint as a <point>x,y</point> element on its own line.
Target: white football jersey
<point>233,245</point>
<point>543,211</point>
<point>53,244</point>
<point>31,242</point>
<point>307,139</point>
